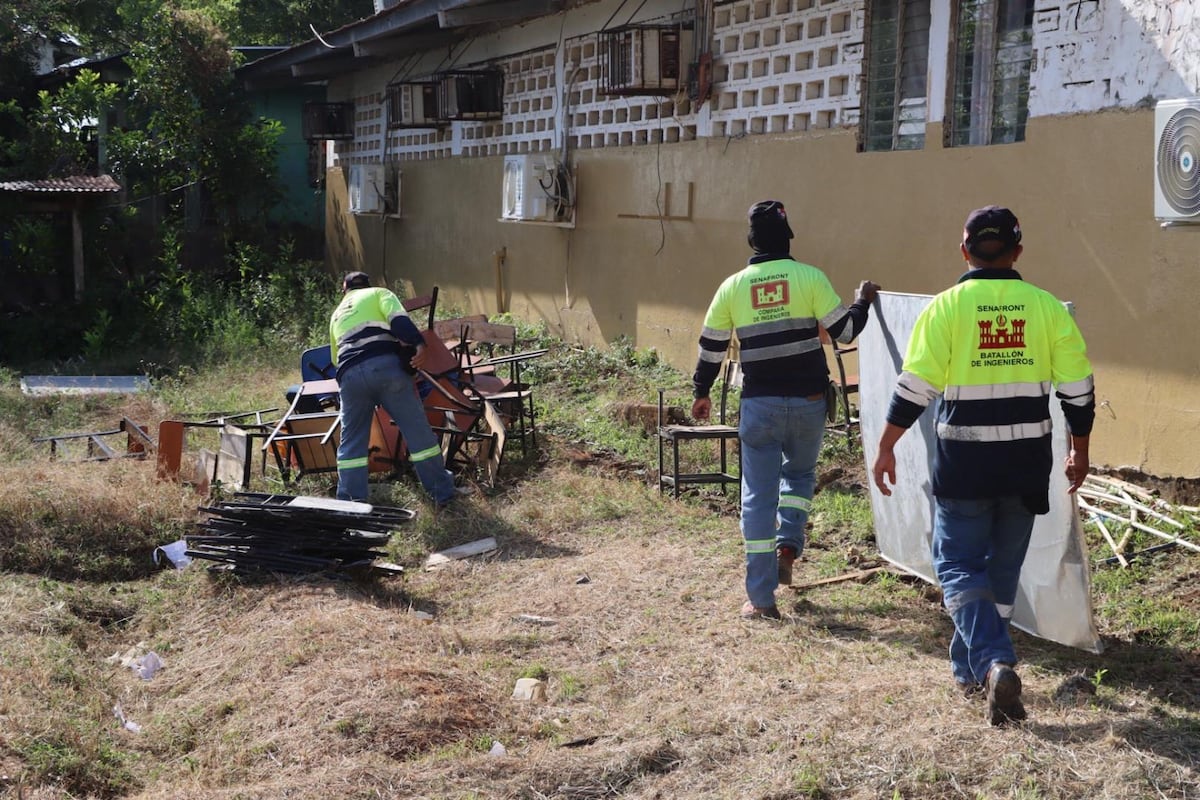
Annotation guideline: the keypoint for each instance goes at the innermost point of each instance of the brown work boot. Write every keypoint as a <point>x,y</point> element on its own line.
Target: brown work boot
<point>1004,695</point>
<point>786,555</point>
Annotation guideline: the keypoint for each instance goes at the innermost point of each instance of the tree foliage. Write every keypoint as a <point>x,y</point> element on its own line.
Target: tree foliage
<point>279,21</point>
<point>189,122</point>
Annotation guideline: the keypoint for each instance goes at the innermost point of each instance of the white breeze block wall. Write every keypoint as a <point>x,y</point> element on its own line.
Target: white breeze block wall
<point>786,65</point>
<point>778,65</point>
<point>1093,54</point>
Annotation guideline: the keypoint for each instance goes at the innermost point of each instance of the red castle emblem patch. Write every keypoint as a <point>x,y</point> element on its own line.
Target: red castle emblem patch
<point>769,295</point>
<point>1001,333</point>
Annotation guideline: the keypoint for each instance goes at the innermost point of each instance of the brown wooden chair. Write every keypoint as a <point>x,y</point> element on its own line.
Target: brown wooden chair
<point>306,443</point>
<point>420,303</point>
<point>490,358</point>
<point>841,419</point>
<point>455,410</point>
<point>721,432</point>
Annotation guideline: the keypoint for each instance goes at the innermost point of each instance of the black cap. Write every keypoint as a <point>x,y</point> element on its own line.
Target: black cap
<point>356,280</point>
<point>991,224</point>
<point>769,229</point>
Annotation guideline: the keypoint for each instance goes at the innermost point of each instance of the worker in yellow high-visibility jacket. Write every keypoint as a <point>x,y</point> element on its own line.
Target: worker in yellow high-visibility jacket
<point>775,305</point>
<point>991,347</point>
<point>366,331</point>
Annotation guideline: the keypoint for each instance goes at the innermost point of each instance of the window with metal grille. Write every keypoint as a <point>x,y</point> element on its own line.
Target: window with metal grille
<point>993,53</point>
<point>895,106</point>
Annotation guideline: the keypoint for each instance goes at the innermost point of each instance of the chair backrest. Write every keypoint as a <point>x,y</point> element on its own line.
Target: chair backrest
<point>316,363</point>
<point>413,304</point>
<point>451,330</point>
<point>491,334</point>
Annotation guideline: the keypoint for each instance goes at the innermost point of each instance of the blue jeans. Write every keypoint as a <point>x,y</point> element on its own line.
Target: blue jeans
<point>780,439</point>
<point>381,381</point>
<point>978,548</point>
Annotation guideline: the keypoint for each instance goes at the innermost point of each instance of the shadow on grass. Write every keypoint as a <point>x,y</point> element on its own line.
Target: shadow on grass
<point>1169,674</point>
<point>1167,736</point>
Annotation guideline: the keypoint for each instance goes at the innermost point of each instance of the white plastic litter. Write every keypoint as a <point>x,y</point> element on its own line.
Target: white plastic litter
<point>127,724</point>
<point>176,553</point>
<point>497,750</point>
<point>147,665</point>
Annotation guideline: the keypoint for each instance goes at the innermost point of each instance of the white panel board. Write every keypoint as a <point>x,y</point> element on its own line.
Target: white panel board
<point>1053,600</point>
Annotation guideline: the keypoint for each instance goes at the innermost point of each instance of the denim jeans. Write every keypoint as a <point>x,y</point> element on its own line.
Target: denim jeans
<point>381,381</point>
<point>780,439</point>
<point>978,548</point>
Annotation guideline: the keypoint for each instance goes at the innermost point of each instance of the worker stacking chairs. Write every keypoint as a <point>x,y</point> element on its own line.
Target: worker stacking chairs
<point>841,418</point>
<point>720,432</point>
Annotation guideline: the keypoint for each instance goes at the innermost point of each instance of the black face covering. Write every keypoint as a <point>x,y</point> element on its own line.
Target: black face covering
<point>769,229</point>
<point>769,241</point>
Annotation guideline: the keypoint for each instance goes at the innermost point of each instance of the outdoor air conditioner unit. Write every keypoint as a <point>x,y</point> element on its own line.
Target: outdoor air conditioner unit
<point>327,121</point>
<point>414,105</point>
<point>536,189</point>
<point>1177,160</point>
<point>471,94</point>
<point>646,59</point>
<point>367,188</point>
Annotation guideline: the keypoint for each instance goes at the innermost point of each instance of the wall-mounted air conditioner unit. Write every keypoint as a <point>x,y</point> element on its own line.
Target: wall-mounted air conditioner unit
<point>1177,160</point>
<point>645,59</point>
<point>327,121</point>
<point>536,189</point>
<point>471,94</point>
<point>367,188</point>
<point>414,105</point>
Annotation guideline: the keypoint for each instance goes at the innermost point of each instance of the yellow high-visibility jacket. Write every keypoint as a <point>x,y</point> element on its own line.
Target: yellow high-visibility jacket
<point>992,348</point>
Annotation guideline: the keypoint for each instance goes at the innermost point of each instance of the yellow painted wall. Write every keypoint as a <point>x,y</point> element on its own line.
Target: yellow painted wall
<point>1081,185</point>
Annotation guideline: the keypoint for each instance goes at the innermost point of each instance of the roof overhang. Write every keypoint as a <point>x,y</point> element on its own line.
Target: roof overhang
<point>411,26</point>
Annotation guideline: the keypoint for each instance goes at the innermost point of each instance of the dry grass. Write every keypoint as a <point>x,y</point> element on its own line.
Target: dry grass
<point>655,688</point>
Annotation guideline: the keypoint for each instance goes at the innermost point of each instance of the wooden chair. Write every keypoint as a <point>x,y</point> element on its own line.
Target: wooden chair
<point>845,384</point>
<point>306,443</point>
<point>420,303</point>
<point>722,432</point>
<point>487,348</point>
<point>455,411</point>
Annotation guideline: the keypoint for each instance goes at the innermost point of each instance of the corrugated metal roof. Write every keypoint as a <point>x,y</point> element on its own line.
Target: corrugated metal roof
<point>77,183</point>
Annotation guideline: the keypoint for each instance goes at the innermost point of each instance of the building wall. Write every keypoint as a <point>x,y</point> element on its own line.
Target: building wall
<point>301,202</point>
<point>1080,182</point>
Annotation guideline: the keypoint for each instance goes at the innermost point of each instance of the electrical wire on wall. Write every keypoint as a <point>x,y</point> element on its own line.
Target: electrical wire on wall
<point>406,67</point>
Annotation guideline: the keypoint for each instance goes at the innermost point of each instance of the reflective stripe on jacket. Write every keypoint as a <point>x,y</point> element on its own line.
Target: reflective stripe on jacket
<point>368,322</point>
<point>774,305</point>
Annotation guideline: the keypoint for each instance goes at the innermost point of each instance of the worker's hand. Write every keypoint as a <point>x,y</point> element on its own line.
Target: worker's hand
<point>702,408</point>
<point>419,357</point>
<point>1077,470</point>
<point>867,290</point>
<point>885,467</point>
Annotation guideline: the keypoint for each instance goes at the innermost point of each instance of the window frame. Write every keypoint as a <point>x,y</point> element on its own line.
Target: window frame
<point>918,70</point>
<point>965,121</point>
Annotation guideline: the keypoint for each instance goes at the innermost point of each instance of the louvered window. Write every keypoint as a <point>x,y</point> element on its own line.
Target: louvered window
<point>896,106</point>
<point>993,45</point>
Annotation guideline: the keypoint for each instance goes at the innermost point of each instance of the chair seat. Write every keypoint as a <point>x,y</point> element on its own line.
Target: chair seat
<point>670,473</point>
<point>697,431</point>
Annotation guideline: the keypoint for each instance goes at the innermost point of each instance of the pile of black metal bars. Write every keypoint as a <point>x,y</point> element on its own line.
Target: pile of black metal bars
<point>269,533</point>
